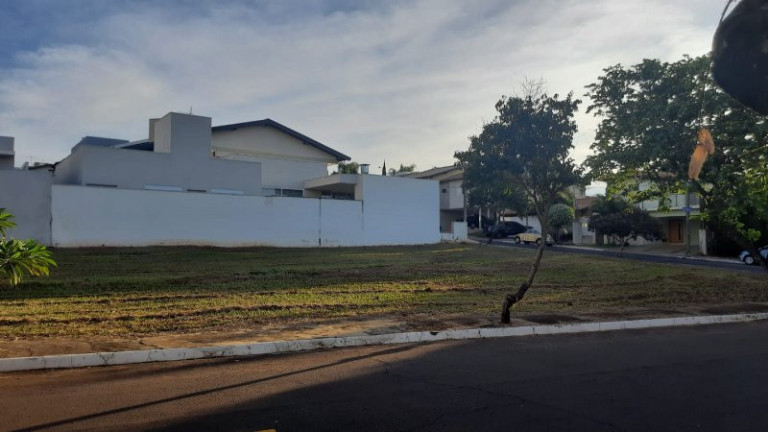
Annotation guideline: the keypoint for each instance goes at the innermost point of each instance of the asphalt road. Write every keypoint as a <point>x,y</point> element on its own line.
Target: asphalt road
<point>735,265</point>
<point>709,378</point>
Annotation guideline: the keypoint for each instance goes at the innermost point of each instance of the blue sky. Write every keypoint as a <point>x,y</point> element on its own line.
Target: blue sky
<point>405,81</point>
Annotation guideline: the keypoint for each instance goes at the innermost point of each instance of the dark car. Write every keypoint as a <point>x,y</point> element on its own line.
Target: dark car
<point>473,221</point>
<point>505,229</point>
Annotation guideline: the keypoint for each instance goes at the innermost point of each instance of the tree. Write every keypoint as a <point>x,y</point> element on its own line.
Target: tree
<point>560,215</point>
<point>526,147</point>
<point>348,168</point>
<point>490,191</point>
<point>622,221</point>
<point>403,169</point>
<point>651,113</point>
<point>19,258</point>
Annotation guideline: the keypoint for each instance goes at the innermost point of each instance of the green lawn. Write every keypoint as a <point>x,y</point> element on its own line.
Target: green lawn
<point>146,291</point>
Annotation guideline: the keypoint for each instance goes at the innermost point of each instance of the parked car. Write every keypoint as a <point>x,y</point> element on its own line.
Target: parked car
<point>473,221</point>
<point>532,236</point>
<point>748,259</point>
<point>505,229</point>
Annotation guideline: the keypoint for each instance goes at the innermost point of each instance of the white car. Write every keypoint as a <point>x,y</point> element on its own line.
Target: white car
<point>748,259</point>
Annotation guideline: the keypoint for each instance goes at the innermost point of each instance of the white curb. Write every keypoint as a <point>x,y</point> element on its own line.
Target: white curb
<point>260,348</point>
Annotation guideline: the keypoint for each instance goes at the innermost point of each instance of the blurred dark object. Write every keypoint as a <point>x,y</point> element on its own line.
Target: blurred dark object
<point>740,54</point>
<point>724,247</point>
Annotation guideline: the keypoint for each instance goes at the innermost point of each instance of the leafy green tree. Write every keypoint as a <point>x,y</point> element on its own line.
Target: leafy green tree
<point>607,205</point>
<point>617,218</point>
<point>526,147</point>
<point>651,113</point>
<point>403,169</point>
<point>19,258</point>
<point>490,191</point>
<point>560,215</point>
<point>6,222</point>
<point>348,168</point>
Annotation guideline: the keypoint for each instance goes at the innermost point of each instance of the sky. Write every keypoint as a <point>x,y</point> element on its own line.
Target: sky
<point>402,81</point>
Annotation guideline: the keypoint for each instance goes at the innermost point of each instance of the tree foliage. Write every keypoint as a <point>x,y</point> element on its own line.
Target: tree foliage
<point>617,218</point>
<point>493,193</point>
<point>19,258</point>
<point>651,113</point>
<point>349,168</point>
<point>560,215</point>
<point>525,148</point>
<point>403,169</point>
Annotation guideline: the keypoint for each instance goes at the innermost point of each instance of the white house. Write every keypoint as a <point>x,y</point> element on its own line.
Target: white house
<point>245,184</point>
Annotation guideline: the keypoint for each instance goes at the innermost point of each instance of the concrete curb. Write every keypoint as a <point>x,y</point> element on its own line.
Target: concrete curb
<point>261,348</point>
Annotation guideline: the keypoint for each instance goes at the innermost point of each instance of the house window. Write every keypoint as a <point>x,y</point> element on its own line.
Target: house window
<point>337,195</point>
<point>445,190</point>
<point>296,193</point>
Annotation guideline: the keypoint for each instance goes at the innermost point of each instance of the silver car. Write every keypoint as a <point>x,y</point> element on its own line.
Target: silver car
<point>748,259</point>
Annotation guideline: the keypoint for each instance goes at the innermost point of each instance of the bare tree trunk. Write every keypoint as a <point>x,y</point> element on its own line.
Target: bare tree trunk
<point>511,299</point>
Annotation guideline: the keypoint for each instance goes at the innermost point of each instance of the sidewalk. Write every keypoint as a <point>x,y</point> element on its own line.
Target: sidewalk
<point>664,250</point>
<point>667,250</point>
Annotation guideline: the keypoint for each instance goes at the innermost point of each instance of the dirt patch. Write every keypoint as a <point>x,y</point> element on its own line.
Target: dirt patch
<point>264,333</point>
<point>30,348</point>
<point>736,308</point>
<point>340,327</point>
<point>55,346</point>
<point>552,319</point>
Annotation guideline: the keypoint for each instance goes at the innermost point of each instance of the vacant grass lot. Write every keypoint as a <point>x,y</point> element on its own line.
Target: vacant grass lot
<point>147,291</point>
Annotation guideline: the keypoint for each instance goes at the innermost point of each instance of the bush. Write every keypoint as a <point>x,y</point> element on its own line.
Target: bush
<point>19,258</point>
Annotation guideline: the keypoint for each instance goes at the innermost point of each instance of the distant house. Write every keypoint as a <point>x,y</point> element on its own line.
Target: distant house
<point>453,199</point>
<point>253,183</point>
<point>6,152</point>
<point>582,211</point>
<point>672,217</point>
<point>670,211</point>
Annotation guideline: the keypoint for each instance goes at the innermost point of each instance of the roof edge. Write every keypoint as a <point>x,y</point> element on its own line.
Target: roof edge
<point>288,131</point>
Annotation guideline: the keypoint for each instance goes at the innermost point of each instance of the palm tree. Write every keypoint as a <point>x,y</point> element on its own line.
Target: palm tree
<point>19,258</point>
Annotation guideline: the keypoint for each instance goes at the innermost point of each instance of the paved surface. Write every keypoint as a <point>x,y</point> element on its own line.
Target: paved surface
<point>655,257</point>
<point>710,378</point>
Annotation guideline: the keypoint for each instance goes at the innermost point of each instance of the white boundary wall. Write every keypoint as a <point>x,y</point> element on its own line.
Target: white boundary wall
<point>400,210</point>
<point>93,216</point>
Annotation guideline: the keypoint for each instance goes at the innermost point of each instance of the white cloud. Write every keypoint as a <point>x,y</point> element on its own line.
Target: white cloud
<point>408,82</point>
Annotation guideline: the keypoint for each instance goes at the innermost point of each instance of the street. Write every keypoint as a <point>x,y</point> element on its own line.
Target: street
<point>734,264</point>
<point>709,378</point>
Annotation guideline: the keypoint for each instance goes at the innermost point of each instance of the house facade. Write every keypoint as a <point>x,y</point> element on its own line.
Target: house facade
<point>245,184</point>
<point>672,216</point>
<point>453,203</point>
<point>671,213</point>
